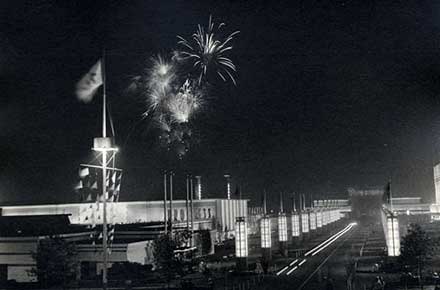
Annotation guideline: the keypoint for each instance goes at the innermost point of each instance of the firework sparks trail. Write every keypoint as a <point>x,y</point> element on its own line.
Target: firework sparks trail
<point>207,52</point>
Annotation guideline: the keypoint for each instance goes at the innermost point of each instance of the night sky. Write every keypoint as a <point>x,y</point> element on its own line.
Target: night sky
<point>330,95</point>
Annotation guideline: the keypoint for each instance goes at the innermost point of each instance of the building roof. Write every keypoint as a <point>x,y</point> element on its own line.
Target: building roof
<point>37,225</point>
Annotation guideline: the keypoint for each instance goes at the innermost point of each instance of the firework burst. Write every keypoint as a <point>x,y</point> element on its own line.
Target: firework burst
<point>160,81</point>
<point>207,52</point>
<point>175,87</point>
<point>183,104</point>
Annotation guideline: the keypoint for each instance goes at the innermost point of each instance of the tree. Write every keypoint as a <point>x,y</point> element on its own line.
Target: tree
<point>416,249</point>
<point>167,262</point>
<point>56,262</point>
<point>205,236</point>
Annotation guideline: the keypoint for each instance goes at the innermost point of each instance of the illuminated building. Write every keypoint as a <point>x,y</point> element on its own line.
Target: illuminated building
<point>137,224</point>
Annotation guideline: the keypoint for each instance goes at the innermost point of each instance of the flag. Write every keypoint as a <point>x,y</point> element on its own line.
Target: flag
<point>89,83</point>
<point>386,197</point>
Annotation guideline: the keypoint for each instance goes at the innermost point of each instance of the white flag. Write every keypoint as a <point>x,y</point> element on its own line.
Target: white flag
<point>89,83</point>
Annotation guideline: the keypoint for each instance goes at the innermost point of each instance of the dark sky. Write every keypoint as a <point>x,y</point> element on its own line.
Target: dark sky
<point>330,95</point>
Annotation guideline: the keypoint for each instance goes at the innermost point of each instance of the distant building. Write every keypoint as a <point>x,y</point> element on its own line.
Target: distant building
<point>137,224</point>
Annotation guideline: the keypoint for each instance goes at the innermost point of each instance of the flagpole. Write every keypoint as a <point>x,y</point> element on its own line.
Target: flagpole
<point>171,203</point>
<point>104,175</point>
<point>191,193</point>
<point>165,201</point>
<point>104,97</point>
<point>187,201</point>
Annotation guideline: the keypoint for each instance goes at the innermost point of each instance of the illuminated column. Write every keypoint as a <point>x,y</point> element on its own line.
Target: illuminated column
<point>393,236</point>
<point>266,239</point>
<point>282,233</point>
<point>199,187</point>
<point>305,222</point>
<point>241,243</point>
<point>228,185</point>
<point>295,225</point>
<point>324,217</point>
<point>319,219</point>
<point>312,216</point>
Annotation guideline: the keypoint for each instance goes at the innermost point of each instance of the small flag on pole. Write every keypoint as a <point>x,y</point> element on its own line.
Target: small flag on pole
<point>89,83</point>
<point>90,188</point>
